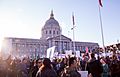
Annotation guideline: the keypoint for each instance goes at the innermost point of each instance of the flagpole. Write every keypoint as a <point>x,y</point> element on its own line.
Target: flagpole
<point>101,25</point>
<point>73,33</point>
<point>73,40</point>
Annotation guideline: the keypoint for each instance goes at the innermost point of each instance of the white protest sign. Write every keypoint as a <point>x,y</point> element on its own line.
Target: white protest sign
<point>50,52</point>
<point>68,52</point>
<point>61,55</point>
<point>83,73</point>
<point>77,53</point>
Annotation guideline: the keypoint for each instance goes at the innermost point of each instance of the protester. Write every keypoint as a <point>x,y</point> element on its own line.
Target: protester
<point>36,65</point>
<point>24,68</point>
<point>94,67</point>
<point>115,67</point>
<point>58,66</point>
<point>105,72</point>
<point>46,69</point>
<point>71,70</point>
<point>83,63</point>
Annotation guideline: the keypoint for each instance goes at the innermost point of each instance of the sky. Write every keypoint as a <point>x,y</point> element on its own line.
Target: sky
<point>25,18</point>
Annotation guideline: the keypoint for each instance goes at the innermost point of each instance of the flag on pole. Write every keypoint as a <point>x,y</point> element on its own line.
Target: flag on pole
<point>73,19</point>
<point>100,3</point>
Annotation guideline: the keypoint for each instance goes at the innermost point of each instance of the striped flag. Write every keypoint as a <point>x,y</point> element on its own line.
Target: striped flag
<point>100,3</point>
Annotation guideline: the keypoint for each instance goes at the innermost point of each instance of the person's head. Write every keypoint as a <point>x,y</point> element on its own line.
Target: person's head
<point>118,46</point>
<point>47,63</point>
<point>39,62</point>
<point>92,55</point>
<point>24,60</point>
<point>114,57</point>
<point>72,62</point>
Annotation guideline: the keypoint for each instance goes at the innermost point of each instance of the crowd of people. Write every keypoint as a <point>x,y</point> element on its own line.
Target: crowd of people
<point>100,66</point>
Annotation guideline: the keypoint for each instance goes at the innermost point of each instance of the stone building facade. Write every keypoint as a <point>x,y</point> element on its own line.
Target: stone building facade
<point>51,36</point>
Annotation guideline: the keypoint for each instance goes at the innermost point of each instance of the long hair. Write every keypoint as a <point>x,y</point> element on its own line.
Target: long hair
<point>46,64</point>
<point>114,57</point>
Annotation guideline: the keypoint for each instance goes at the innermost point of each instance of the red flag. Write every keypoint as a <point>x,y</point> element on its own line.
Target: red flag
<point>73,19</point>
<point>87,50</point>
<point>100,3</point>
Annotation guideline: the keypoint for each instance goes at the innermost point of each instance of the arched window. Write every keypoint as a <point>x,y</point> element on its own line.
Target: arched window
<point>57,32</point>
<point>53,32</point>
<point>50,32</point>
<point>46,32</point>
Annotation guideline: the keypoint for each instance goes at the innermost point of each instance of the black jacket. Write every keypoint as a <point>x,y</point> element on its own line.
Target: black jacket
<point>46,73</point>
<point>95,68</point>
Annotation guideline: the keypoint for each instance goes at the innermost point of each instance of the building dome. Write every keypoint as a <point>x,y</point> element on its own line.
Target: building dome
<point>50,23</point>
<point>51,27</point>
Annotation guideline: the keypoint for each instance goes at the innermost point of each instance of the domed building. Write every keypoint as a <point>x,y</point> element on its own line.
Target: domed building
<point>51,36</point>
<point>51,27</point>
